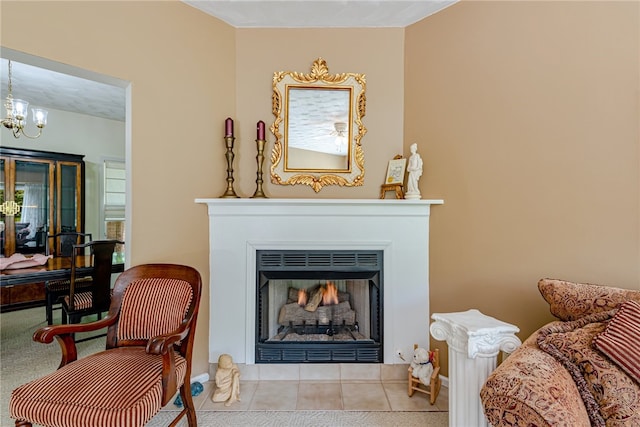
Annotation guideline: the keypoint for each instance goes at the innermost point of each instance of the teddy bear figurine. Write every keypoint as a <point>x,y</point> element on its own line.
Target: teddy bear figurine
<point>422,365</point>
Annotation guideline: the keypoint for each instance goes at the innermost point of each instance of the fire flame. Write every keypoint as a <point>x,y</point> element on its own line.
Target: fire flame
<point>302,297</point>
<point>330,294</point>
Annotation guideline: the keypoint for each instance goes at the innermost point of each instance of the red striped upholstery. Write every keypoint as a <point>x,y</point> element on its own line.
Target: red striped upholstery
<point>89,392</point>
<point>144,298</point>
<point>82,301</point>
<point>621,339</point>
<point>153,305</point>
<point>63,285</point>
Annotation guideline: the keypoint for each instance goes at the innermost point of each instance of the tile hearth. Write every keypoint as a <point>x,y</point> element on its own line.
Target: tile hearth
<point>322,395</point>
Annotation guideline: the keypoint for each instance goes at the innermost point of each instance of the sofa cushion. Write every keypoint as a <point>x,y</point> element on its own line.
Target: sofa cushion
<point>620,341</point>
<point>530,388</point>
<point>609,394</point>
<point>571,301</point>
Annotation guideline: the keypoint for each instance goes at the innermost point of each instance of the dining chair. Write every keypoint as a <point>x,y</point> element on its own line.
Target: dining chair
<point>151,326</point>
<point>61,245</point>
<point>83,300</point>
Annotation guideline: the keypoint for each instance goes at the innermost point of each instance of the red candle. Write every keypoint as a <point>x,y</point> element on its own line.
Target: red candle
<point>261,130</point>
<point>228,127</point>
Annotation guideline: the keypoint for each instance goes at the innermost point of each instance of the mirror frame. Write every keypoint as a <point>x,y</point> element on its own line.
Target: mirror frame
<point>318,78</point>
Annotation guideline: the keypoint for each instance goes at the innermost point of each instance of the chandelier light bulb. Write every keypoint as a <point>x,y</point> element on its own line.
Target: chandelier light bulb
<point>20,109</point>
<point>17,112</point>
<point>39,116</point>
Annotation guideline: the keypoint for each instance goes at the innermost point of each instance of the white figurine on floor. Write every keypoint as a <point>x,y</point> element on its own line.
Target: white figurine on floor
<point>415,172</point>
<point>227,381</point>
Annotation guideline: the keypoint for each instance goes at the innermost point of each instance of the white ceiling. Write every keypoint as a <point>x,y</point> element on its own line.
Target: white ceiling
<point>71,91</point>
<point>54,90</point>
<point>319,13</point>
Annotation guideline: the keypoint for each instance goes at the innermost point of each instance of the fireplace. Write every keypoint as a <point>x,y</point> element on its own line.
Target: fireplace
<point>242,230</point>
<point>319,306</point>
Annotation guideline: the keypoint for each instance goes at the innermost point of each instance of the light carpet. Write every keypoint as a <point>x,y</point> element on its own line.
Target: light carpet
<point>23,360</point>
<point>309,419</point>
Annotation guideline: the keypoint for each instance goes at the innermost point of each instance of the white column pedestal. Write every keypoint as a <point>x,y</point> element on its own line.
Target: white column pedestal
<point>474,341</point>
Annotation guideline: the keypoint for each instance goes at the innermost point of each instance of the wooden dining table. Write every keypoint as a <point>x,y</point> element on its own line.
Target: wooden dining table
<point>56,268</point>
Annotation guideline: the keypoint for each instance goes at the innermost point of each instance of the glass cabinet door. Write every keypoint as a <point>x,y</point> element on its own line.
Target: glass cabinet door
<point>32,192</point>
<point>68,207</point>
<point>41,193</point>
<point>2,211</point>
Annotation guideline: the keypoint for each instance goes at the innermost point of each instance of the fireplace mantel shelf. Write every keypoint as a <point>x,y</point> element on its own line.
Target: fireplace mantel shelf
<point>238,228</point>
<point>302,206</point>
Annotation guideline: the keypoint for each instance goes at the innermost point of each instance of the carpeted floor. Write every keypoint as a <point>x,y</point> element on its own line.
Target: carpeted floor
<point>22,360</point>
<point>309,419</point>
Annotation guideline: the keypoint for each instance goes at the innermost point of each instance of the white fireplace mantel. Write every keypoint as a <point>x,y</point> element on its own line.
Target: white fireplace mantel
<point>240,227</point>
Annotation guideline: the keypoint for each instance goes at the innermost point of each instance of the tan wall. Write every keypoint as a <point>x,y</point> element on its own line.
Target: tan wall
<point>529,135</point>
<point>527,118</point>
<point>377,53</point>
<point>175,57</point>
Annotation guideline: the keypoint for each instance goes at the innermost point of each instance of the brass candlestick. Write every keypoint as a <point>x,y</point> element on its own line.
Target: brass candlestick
<point>260,159</point>
<point>230,193</point>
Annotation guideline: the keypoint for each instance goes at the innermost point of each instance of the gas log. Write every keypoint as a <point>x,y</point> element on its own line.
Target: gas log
<point>338,314</point>
<point>301,309</point>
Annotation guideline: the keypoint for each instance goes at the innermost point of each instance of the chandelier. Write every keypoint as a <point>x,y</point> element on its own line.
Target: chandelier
<point>340,134</point>
<point>17,112</point>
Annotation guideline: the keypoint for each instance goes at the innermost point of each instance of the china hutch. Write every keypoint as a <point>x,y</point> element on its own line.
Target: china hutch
<point>41,193</point>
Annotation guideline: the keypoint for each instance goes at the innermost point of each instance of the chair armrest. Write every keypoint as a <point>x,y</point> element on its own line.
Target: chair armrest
<point>64,335</point>
<point>163,345</point>
<point>435,373</point>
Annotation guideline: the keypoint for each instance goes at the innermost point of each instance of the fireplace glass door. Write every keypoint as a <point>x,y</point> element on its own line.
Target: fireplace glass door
<point>319,306</point>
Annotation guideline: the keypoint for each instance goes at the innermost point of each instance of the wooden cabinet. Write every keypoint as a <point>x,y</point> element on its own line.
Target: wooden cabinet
<point>40,192</point>
<point>15,297</point>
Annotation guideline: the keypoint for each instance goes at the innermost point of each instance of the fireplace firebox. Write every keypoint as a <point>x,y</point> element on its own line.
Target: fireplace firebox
<point>319,306</point>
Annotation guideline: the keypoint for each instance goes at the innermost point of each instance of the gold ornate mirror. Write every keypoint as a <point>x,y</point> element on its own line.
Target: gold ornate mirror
<point>318,128</point>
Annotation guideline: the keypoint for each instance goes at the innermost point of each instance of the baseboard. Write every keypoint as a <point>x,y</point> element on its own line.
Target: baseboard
<point>202,378</point>
<point>445,381</point>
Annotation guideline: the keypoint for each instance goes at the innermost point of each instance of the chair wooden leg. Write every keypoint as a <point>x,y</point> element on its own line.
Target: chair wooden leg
<point>187,399</point>
<point>410,392</point>
<point>49,309</point>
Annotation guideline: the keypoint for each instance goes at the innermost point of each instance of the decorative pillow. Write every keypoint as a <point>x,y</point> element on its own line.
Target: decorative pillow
<point>571,301</point>
<point>610,396</point>
<point>621,339</point>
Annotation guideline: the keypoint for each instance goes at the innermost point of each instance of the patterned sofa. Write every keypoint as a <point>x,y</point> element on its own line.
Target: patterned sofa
<point>582,370</point>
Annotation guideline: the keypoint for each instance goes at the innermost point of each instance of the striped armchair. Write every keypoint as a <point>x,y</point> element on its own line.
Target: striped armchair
<point>151,325</point>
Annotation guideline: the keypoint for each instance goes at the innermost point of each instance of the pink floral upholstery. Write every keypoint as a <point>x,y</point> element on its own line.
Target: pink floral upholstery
<point>571,301</point>
<point>610,396</point>
<point>532,387</point>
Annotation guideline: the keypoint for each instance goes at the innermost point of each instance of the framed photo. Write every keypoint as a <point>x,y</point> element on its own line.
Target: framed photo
<point>395,171</point>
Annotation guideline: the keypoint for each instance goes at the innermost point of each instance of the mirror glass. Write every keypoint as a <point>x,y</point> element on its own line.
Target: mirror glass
<point>318,128</point>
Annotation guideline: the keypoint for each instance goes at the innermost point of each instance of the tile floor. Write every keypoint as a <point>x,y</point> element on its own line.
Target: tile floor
<point>356,395</point>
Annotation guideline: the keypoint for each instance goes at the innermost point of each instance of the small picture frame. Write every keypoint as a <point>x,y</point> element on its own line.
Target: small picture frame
<point>395,171</point>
